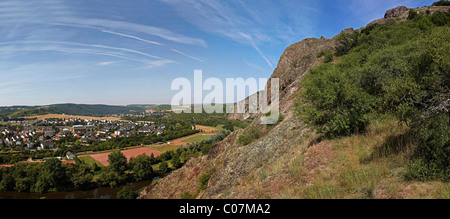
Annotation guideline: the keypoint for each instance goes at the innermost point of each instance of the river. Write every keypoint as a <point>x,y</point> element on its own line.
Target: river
<point>98,193</point>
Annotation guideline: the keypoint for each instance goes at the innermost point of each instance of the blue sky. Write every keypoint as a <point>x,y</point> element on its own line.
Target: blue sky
<point>129,52</point>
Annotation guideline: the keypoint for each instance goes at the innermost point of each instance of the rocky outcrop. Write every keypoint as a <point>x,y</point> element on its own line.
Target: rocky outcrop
<point>400,11</point>
<point>247,114</point>
<point>231,161</point>
<point>293,65</point>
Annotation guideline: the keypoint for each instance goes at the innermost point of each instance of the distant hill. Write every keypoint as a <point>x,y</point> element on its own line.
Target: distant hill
<point>94,110</point>
<point>78,109</point>
<point>6,111</point>
<point>75,109</point>
<point>32,112</point>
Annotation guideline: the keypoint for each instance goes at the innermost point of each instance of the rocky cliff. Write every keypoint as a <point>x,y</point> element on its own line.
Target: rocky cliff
<point>230,161</point>
<point>234,165</point>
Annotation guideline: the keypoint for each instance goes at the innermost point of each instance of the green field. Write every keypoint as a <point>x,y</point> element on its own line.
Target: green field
<point>90,161</point>
<point>164,148</point>
<point>197,138</point>
<point>220,127</point>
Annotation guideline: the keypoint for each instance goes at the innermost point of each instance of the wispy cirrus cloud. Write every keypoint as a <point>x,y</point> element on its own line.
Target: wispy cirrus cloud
<point>107,25</point>
<point>158,63</point>
<point>27,77</point>
<point>189,56</point>
<point>39,19</point>
<point>132,37</point>
<point>106,63</point>
<point>217,17</point>
<point>252,23</point>
<point>71,47</point>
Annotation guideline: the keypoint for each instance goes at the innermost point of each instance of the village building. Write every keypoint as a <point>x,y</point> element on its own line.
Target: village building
<point>78,129</point>
<point>70,155</point>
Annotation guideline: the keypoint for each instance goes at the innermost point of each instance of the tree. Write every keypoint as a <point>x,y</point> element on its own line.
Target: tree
<point>82,178</point>
<point>55,174</point>
<point>117,162</point>
<point>152,159</point>
<point>176,161</point>
<point>126,193</point>
<point>206,148</point>
<point>163,167</point>
<point>229,126</point>
<point>108,177</point>
<point>412,15</point>
<point>442,3</point>
<point>141,167</point>
<point>346,41</point>
<point>7,182</point>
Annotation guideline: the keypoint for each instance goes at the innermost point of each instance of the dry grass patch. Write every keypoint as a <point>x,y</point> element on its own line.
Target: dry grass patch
<point>207,129</point>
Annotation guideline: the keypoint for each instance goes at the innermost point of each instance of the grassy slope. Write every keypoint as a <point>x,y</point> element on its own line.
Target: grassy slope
<point>90,161</point>
<point>369,165</point>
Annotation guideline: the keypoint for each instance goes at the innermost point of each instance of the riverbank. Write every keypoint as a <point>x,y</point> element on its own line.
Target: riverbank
<point>98,193</point>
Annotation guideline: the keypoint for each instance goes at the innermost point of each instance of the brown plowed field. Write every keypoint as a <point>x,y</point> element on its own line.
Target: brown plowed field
<point>103,158</point>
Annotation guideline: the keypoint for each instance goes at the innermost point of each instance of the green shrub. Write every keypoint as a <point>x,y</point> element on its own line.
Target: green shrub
<point>442,3</point>
<point>412,14</point>
<point>441,18</point>
<point>249,136</point>
<point>328,55</point>
<point>126,193</point>
<point>206,148</point>
<point>335,105</point>
<point>346,42</point>
<point>163,168</point>
<point>433,149</point>
<point>188,195</point>
<point>141,167</point>
<point>419,169</point>
<point>203,180</point>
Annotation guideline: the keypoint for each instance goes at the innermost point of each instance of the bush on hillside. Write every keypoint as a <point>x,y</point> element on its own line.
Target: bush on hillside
<point>442,3</point>
<point>249,136</point>
<point>402,69</point>
<point>328,55</point>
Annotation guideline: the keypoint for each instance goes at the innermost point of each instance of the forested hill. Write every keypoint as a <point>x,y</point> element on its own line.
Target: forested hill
<point>72,109</point>
<point>95,110</point>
